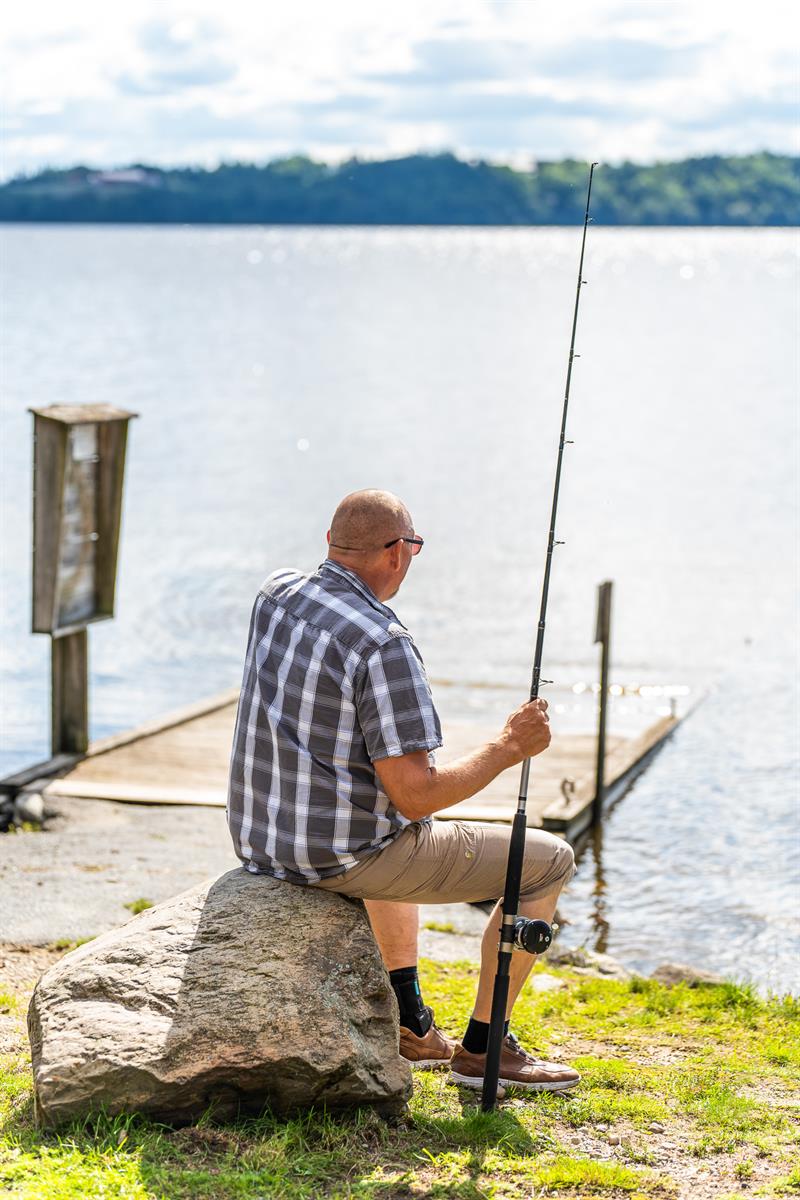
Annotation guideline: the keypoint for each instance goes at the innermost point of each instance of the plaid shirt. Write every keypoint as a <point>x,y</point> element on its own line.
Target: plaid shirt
<point>332,682</point>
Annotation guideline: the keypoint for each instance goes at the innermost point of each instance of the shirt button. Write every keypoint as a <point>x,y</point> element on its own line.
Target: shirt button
<point>468,854</point>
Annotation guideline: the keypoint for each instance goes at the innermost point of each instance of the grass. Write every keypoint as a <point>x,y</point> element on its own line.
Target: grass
<point>70,943</point>
<point>715,1066</point>
<point>788,1184</point>
<point>140,905</point>
<point>440,927</point>
<point>346,1157</point>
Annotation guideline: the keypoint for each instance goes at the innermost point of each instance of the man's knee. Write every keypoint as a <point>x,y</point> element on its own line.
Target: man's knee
<point>565,861</point>
<point>549,864</point>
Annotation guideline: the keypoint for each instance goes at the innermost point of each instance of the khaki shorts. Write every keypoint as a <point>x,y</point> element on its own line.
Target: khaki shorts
<point>449,861</point>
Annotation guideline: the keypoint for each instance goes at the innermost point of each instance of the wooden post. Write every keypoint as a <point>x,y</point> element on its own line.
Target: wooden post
<point>603,636</point>
<point>70,693</point>
<point>78,469</point>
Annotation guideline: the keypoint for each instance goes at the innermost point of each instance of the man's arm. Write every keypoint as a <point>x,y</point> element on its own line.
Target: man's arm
<point>418,790</point>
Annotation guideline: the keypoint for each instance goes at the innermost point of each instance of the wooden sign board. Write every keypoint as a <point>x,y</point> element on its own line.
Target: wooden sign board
<point>79,464</point>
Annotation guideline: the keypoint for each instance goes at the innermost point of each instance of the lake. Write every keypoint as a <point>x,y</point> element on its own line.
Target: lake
<point>276,369</point>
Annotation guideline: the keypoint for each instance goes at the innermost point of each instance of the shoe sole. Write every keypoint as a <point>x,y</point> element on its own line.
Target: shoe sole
<point>472,1081</point>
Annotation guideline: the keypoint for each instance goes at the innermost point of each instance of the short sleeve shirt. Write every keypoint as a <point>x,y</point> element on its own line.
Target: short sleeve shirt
<point>332,682</point>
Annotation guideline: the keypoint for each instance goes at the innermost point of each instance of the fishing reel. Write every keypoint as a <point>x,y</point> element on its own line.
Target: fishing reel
<point>532,935</point>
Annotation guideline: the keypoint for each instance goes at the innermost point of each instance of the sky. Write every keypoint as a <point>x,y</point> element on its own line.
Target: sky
<point>112,82</point>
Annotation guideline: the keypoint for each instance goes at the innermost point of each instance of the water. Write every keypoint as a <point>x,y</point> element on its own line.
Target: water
<point>277,369</point>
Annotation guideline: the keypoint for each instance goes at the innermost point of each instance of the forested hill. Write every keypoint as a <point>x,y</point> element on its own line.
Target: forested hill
<point>759,189</point>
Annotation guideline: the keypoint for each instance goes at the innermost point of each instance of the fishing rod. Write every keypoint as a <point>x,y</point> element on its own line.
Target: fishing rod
<point>530,935</point>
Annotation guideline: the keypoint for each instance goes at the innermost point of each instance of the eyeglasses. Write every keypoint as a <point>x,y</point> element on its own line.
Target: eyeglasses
<point>416,543</point>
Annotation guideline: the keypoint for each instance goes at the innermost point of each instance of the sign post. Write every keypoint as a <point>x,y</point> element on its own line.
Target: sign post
<point>78,471</point>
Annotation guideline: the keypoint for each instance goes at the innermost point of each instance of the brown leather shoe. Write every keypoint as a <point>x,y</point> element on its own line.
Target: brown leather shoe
<point>435,1049</point>
<point>517,1069</point>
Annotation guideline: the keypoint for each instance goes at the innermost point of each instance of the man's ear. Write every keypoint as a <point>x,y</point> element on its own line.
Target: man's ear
<point>328,537</point>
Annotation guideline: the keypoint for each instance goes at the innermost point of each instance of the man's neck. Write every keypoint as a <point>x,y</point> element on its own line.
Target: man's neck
<point>371,579</point>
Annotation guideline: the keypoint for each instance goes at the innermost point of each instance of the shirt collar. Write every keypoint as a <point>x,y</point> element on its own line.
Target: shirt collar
<point>356,582</point>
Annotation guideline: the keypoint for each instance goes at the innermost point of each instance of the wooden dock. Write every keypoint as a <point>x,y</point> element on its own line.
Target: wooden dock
<point>183,759</point>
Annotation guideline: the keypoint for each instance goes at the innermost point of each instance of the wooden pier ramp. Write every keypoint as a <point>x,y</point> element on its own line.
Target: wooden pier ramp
<point>183,759</point>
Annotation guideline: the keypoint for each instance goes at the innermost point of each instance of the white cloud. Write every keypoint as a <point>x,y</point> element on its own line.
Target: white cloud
<point>513,79</point>
<point>177,56</point>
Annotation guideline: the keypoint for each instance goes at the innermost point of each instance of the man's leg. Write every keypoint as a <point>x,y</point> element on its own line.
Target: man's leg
<point>395,925</point>
<point>516,1065</point>
<point>396,929</point>
<point>544,908</point>
<point>451,861</point>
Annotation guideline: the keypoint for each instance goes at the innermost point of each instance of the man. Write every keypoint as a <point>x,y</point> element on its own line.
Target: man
<point>333,783</point>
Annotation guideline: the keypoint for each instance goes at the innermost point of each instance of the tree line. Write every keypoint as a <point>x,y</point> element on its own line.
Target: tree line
<point>440,189</point>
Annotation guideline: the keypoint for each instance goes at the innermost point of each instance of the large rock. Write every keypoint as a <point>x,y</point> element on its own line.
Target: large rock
<point>240,993</point>
<point>671,973</point>
<point>588,962</point>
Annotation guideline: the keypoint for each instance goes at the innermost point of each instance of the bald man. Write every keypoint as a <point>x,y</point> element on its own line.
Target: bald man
<point>333,780</point>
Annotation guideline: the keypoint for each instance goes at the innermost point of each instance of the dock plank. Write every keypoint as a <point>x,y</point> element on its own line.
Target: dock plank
<point>183,759</point>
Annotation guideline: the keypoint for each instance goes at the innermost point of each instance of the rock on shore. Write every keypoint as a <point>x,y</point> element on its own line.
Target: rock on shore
<point>671,973</point>
<point>240,993</point>
<point>588,962</point>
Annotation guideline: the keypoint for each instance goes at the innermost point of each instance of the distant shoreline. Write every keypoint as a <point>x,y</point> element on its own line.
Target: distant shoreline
<point>431,191</point>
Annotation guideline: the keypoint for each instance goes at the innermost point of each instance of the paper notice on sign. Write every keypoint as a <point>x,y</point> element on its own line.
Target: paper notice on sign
<point>77,589</point>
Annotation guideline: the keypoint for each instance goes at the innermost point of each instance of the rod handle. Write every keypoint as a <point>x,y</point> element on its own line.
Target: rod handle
<point>516,858</point>
<point>491,1071</point>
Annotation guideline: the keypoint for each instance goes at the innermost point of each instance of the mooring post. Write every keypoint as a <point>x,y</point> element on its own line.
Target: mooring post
<point>603,636</point>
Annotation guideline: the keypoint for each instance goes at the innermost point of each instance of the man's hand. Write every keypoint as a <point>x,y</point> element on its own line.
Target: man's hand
<point>417,789</point>
<point>527,731</point>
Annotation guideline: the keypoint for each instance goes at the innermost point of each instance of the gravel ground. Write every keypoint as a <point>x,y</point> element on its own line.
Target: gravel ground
<point>73,879</point>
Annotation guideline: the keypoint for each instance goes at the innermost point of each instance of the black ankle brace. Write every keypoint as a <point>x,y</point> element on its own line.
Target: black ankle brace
<point>413,1013</point>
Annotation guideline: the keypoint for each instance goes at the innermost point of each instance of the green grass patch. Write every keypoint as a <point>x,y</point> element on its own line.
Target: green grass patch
<point>71,943</point>
<point>565,1172</point>
<point>616,1090</point>
<point>140,905</point>
<point>698,1060</point>
<point>788,1184</point>
<point>440,927</point>
<point>24,827</point>
<point>722,1021</point>
<point>15,1085</point>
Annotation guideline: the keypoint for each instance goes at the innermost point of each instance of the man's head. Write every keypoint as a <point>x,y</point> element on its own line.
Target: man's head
<point>362,526</point>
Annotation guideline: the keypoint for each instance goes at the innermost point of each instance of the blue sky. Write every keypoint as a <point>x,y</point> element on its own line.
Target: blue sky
<point>512,80</point>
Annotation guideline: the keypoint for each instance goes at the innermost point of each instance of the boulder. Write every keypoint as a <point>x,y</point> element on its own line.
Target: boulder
<point>672,973</point>
<point>239,994</point>
<point>588,962</point>
<point>29,808</point>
